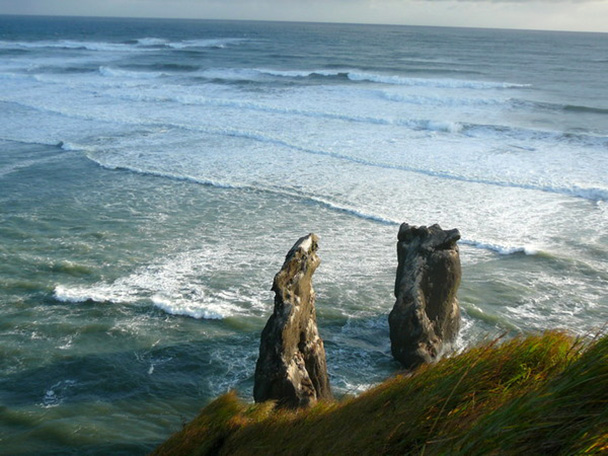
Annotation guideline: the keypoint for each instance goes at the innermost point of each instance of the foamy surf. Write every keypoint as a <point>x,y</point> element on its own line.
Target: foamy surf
<point>529,250</point>
<point>193,302</point>
<point>361,76</point>
<point>192,309</point>
<point>179,285</point>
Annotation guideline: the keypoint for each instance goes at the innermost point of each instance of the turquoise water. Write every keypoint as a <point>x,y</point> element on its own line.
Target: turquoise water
<point>153,175</point>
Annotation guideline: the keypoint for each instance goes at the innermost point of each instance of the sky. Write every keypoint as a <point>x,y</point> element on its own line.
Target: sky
<point>573,15</point>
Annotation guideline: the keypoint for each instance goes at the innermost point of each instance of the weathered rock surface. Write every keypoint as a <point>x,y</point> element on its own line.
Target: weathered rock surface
<point>291,368</point>
<point>425,319</point>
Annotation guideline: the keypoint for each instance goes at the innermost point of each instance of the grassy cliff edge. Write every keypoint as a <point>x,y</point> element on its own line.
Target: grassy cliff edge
<point>540,394</point>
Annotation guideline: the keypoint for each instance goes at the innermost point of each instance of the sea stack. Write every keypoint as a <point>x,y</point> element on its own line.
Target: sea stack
<point>291,368</point>
<point>425,319</point>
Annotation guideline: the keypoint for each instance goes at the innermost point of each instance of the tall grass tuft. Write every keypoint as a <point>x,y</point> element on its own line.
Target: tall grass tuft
<point>542,394</point>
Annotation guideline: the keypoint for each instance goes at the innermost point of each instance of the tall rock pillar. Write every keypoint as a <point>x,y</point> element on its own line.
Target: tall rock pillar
<point>291,368</point>
<point>425,319</point>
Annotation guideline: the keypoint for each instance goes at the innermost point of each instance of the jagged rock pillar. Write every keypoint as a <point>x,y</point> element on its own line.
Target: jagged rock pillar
<point>291,368</point>
<point>425,319</point>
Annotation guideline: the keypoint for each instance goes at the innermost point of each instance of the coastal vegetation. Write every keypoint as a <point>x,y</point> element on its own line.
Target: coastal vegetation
<point>540,394</point>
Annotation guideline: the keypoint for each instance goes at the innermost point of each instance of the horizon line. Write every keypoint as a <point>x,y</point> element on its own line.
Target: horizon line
<point>292,21</point>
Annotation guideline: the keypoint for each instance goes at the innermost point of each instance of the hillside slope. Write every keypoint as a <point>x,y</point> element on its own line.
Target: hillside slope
<point>542,394</point>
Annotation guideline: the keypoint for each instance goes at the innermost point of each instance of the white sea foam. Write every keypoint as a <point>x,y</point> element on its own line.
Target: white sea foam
<point>206,43</point>
<point>56,394</point>
<point>119,73</point>
<point>463,175</point>
<point>360,76</point>
<point>429,82</point>
<point>299,73</point>
<point>530,134</point>
<point>591,193</point>
<point>68,44</point>
<point>139,45</point>
<point>177,285</point>
<point>98,293</point>
<point>499,248</point>
<point>70,147</point>
<point>168,175</point>
<point>559,302</point>
<point>450,127</point>
<point>502,249</point>
<point>437,100</point>
<point>190,309</point>
<point>151,41</point>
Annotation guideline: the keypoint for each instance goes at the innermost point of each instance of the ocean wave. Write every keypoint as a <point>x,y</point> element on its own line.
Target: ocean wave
<point>301,73</point>
<point>68,45</point>
<point>34,143</point>
<point>172,67</point>
<point>119,73</point>
<point>326,202</point>
<point>479,130</point>
<point>217,43</point>
<point>422,124</point>
<point>149,41</point>
<point>322,201</point>
<point>138,45</point>
<point>422,100</point>
<point>529,134</point>
<point>71,147</point>
<point>187,308</point>
<point>349,210</point>
<point>177,284</point>
<point>547,106</point>
<point>358,76</point>
<point>427,82</point>
<point>585,109</point>
<point>587,192</point>
<point>168,175</point>
<point>529,250</point>
<point>448,126</point>
<point>83,294</point>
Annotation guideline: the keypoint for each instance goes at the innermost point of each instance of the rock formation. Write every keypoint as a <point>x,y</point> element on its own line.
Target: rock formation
<point>425,319</point>
<point>291,368</point>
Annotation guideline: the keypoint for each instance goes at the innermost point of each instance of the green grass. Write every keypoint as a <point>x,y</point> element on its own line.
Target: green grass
<point>538,395</point>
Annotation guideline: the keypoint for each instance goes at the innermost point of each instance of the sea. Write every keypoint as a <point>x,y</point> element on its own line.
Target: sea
<point>154,174</point>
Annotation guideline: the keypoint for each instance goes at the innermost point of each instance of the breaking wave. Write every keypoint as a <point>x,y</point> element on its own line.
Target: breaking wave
<point>359,76</point>
<point>326,202</point>
<point>138,45</point>
<point>177,285</point>
<point>69,45</point>
<point>119,73</point>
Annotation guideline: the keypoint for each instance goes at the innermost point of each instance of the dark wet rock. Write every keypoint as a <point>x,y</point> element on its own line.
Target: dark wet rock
<point>291,368</point>
<point>425,319</point>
